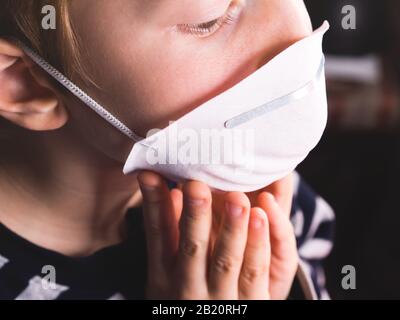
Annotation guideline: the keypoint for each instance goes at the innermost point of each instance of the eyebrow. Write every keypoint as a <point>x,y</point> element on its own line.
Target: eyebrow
<point>187,11</point>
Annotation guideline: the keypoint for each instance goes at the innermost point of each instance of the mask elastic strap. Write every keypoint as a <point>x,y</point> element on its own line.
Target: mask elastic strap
<point>279,102</point>
<point>79,93</point>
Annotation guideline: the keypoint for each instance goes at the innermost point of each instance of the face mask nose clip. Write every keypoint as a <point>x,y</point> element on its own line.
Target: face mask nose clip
<point>277,103</point>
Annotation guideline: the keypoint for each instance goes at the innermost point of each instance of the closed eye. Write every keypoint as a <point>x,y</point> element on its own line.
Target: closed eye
<point>206,29</point>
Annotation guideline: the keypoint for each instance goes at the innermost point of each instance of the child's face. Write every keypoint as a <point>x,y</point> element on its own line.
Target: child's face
<point>151,69</point>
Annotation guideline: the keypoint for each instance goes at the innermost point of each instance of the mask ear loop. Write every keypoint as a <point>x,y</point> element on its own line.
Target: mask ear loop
<point>80,94</point>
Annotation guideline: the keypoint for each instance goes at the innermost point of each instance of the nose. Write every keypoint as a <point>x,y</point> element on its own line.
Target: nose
<point>280,25</point>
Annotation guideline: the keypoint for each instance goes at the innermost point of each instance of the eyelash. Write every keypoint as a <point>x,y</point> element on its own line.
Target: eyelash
<point>206,29</point>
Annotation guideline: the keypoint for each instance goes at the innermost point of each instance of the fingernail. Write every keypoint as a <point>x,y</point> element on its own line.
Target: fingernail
<point>146,186</point>
<point>196,202</point>
<point>149,188</point>
<point>143,185</point>
<point>271,197</point>
<point>233,210</point>
<point>256,223</point>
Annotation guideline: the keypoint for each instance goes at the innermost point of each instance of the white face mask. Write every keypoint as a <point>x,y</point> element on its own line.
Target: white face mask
<point>245,138</point>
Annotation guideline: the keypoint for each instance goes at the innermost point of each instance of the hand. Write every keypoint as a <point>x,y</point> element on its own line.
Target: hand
<point>282,238</point>
<point>190,257</point>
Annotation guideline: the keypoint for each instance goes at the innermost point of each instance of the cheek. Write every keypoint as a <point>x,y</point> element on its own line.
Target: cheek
<point>154,79</point>
<point>181,85</point>
<point>177,84</point>
<point>176,76</point>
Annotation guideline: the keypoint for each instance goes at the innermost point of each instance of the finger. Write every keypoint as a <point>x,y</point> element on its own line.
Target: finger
<point>158,219</point>
<point>218,209</point>
<point>177,202</point>
<point>229,247</point>
<point>281,229</point>
<point>284,257</point>
<point>177,205</point>
<point>254,276</point>
<point>194,228</point>
<point>283,192</point>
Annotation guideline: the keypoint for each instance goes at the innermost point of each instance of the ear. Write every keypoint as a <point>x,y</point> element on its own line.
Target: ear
<point>27,96</point>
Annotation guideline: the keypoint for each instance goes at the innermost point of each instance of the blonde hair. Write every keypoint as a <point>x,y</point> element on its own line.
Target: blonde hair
<point>21,19</point>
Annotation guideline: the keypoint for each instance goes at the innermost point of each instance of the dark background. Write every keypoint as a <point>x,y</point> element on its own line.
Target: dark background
<point>357,169</point>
